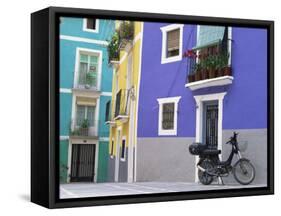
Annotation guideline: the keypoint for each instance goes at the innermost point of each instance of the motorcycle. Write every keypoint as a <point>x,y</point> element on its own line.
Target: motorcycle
<point>210,166</point>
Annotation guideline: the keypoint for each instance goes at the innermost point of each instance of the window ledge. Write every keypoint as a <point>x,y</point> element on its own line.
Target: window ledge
<point>167,133</point>
<point>111,123</point>
<point>122,118</point>
<point>171,59</point>
<point>218,81</point>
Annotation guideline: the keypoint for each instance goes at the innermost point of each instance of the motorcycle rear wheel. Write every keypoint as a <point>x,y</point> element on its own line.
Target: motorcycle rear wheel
<point>204,177</point>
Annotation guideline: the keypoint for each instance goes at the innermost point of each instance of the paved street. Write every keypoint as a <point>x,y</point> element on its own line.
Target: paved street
<point>76,190</point>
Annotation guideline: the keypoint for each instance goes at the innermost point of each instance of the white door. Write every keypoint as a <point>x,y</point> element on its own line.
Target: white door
<point>117,155</point>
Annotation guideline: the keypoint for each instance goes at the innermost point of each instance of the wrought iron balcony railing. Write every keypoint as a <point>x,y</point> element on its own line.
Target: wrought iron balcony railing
<point>87,80</point>
<point>121,104</point>
<point>209,61</point>
<point>88,129</point>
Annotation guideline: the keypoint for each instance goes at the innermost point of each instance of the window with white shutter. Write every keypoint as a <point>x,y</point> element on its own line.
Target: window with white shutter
<point>173,43</point>
<point>172,37</point>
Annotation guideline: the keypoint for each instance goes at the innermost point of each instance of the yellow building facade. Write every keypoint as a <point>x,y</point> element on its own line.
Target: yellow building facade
<point>124,103</point>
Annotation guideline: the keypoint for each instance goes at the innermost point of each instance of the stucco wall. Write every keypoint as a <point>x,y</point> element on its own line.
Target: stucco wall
<point>164,80</point>
<point>244,103</point>
<point>165,159</point>
<point>255,141</point>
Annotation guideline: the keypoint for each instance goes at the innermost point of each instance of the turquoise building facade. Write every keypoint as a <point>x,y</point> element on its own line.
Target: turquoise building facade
<point>85,88</point>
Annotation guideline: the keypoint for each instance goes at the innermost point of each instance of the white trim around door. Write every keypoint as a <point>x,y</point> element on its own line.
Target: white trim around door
<point>81,142</point>
<point>199,119</point>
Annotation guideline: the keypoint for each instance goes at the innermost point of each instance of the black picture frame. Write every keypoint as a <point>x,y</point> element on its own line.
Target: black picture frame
<point>45,104</point>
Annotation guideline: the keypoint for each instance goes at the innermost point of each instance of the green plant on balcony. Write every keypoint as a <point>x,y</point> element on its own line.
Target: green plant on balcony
<point>223,67</point>
<point>113,48</point>
<point>212,65</point>
<point>126,30</point>
<point>84,128</point>
<point>85,123</point>
<point>90,79</point>
<point>198,70</point>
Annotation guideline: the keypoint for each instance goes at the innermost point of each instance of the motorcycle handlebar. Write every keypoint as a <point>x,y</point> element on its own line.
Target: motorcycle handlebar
<point>232,138</point>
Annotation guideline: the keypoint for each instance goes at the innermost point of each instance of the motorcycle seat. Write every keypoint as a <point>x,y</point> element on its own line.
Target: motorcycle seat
<point>211,152</point>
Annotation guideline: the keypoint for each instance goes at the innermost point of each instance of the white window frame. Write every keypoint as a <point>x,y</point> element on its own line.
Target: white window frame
<point>165,30</point>
<point>98,53</point>
<point>85,114</point>
<point>161,101</point>
<point>96,30</point>
<point>123,159</point>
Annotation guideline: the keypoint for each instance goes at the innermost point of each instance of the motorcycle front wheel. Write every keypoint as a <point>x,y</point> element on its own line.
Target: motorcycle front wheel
<point>204,177</point>
<point>244,172</point>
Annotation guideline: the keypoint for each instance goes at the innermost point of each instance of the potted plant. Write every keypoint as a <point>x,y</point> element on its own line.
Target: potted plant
<point>226,69</point>
<point>90,79</point>
<point>212,65</point>
<point>126,30</point>
<point>204,70</point>
<point>198,68</point>
<point>113,48</point>
<point>84,128</point>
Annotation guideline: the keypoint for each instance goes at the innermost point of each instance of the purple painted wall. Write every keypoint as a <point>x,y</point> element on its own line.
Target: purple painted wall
<point>245,102</point>
<point>245,105</point>
<point>164,80</point>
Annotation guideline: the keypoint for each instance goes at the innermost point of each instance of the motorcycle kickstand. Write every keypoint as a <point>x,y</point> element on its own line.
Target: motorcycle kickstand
<point>220,180</point>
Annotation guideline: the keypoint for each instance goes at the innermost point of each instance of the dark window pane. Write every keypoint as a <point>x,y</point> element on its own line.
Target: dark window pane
<point>168,116</point>
<point>123,149</point>
<point>173,53</point>
<point>91,24</point>
<point>112,146</point>
<point>107,111</point>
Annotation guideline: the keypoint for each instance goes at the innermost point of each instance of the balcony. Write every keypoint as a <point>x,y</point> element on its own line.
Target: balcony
<point>122,37</point>
<point>87,81</point>
<point>209,66</point>
<point>121,106</point>
<point>109,113</point>
<point>126,33</point>
<point>84,129</point>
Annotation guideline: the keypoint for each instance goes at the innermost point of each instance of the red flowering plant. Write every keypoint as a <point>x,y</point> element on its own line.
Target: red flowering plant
<point>189,54</point>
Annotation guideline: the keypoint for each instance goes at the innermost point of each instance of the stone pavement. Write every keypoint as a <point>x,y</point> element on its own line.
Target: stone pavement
<point>78,190</point>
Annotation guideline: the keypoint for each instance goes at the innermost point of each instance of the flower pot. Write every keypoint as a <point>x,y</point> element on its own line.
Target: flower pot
<point>191,78</point>
<point>198,76</point>
<point>227,71</point>
<point>204,74</point>
<point>212,73</point>
<point>220,72</point>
